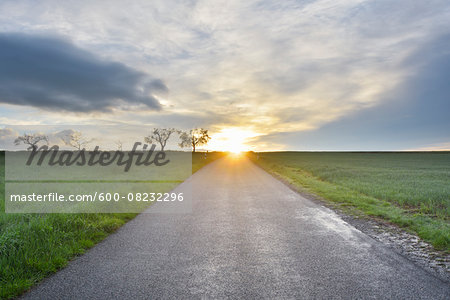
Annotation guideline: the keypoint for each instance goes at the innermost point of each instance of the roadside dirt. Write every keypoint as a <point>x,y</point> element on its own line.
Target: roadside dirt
<point>406,244</point>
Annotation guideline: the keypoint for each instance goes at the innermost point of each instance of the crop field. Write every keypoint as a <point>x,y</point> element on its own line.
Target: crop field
<point>410,189</point>
<point>32,246</point>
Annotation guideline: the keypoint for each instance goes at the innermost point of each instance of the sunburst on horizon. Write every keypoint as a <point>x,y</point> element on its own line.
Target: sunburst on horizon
<point>232,139</point>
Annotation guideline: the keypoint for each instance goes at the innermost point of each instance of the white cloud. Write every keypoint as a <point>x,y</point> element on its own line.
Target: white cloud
<point>267,65</point>
<point>7,137</point>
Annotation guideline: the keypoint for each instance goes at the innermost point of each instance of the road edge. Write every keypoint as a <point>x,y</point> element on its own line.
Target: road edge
<point>404,243</point>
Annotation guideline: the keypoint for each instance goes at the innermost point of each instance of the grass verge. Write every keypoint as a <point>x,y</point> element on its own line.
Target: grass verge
<point>33,246</point>
<point>406,189</point>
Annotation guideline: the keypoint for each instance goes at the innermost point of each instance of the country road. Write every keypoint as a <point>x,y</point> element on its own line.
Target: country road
<point>248,237</point>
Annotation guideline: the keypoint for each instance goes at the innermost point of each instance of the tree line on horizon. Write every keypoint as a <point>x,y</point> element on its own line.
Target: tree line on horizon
<point>192,138</point>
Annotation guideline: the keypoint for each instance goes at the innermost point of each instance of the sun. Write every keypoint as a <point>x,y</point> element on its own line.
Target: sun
<point>232,139</point>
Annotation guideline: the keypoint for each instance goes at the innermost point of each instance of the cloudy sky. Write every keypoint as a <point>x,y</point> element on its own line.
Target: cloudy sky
<point>274,75</point>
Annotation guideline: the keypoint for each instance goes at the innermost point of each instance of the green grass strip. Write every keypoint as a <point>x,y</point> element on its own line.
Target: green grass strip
<point>432,230</point>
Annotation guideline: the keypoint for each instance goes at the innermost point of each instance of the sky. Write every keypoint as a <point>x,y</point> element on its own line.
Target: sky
<point>261,75</point>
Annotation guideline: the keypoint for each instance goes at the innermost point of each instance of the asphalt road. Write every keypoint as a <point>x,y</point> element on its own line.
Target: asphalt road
<point>248,236</point>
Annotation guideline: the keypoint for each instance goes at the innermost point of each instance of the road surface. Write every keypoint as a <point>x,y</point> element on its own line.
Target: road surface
<point>248,236</point>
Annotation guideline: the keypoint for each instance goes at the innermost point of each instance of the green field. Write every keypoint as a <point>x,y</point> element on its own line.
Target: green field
<point>32,246</point>
<point>411,190</point>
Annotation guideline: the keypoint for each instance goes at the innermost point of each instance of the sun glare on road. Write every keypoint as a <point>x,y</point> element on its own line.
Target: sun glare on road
<point>232,139</point>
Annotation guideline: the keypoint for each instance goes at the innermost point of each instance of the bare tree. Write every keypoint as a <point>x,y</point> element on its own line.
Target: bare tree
<point>160,135</point>
<point>76,140</point>
<point>31,139</point>
<point>193,138</point>
<point>119,145</point>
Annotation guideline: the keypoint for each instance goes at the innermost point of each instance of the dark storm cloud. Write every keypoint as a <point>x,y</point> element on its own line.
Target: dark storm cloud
<point>52,73</point>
